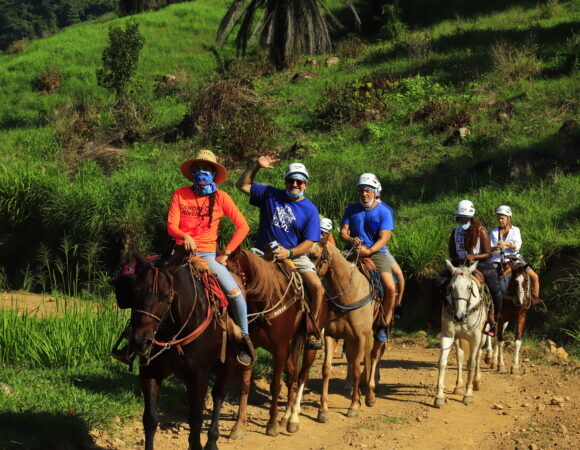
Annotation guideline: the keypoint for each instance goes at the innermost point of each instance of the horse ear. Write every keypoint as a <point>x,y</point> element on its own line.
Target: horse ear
<point>175,260</point>
<point>450,266</point>
<point>473,267</point>
<point>140,258</point>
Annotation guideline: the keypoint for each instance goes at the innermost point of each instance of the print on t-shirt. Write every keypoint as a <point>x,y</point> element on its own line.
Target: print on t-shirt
<point>283,217</point>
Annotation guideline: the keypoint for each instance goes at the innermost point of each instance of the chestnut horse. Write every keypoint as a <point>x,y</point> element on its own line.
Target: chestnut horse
<point>514,308</point>
<point>276,316</point>
<point>174,331</point>
<point>350,317</point>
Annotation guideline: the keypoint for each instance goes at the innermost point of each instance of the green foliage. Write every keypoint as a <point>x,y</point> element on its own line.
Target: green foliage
<point>512,62</point>
<point>120,59</point>
<point>393,28</point>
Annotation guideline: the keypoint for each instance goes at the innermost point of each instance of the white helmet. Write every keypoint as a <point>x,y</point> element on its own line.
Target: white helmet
<point>325,225</point>
<point>504,210</point>
<point>370,180</point>
<point>297,171</point>
<point>465,209</point>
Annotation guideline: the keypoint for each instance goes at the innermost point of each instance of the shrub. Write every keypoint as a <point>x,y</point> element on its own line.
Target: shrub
<point>393,27</point>
<point>418,45</point>
<point>443,116</point>
<point>568,57</point>
<point>120,58</point>
<point>17,47</point>
<point>354,103</point>
<point>227,115</point>
<point>512,62</point>
<point>47,81</point>
<point>351,46</point>
<point>254,65</point>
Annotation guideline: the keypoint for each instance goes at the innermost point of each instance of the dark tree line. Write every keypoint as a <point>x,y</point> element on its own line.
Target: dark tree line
<point>31,19</point>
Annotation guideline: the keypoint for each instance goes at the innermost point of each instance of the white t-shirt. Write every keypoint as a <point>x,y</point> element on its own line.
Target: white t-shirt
<point>513,237</point>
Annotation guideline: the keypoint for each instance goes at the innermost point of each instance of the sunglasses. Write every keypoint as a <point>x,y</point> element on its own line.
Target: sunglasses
<point>292,182</point>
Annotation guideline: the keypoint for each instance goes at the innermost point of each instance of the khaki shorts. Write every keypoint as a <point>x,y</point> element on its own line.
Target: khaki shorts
<point>304,264</point>
<point>391,259</point>
<point>382,262</point>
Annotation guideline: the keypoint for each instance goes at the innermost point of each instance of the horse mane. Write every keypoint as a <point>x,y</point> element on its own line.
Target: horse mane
<point>265,281</point>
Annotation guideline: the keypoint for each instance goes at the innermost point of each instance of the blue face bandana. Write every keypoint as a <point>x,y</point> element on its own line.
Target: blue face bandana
<point>465,226</point>
<point>204,184</point>
<point>289,194</point>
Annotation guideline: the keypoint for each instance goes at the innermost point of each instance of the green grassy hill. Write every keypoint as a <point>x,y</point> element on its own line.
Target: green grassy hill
<point>509,74</point>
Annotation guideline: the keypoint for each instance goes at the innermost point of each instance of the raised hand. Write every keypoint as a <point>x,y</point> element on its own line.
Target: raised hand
<point>268,160</point>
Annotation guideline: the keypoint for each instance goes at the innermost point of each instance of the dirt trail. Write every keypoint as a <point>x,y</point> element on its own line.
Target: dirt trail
<point>510,411</point>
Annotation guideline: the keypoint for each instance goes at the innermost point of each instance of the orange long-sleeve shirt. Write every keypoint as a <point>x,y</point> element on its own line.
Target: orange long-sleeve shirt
<point>188,214</point>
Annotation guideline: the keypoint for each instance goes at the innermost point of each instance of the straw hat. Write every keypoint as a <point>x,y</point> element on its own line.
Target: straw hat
<point>205,156</point>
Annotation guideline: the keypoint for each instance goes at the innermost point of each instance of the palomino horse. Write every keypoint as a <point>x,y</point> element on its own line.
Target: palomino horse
<point>517,300</point>
<point>463,320</point>
<point>174,330</point>
<point>276,314</point>
<point>350,317</point>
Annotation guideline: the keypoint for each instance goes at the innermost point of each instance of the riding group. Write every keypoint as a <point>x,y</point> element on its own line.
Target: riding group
<point>295,291</point>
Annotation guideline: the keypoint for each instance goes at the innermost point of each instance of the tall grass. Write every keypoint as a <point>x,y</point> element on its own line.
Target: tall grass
<point>78,334</point>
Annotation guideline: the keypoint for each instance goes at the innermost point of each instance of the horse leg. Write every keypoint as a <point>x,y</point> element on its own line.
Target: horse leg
<point>474,354</point>
<point>488,350</point>
<point>291,386</point>
<point>238,429</point>
<point>150,386</point>
<point>356,355</point>
<point>373,376</point>
<point>329,344</point>
<point>196,392</point>
<point>308,360</point>
<point>459,381</point>
<point>446,344</point>
<point>520,326</point>
<point>218,393</point>
<point>500,331</point>
<point>477,379</point>
<point>278,363</point>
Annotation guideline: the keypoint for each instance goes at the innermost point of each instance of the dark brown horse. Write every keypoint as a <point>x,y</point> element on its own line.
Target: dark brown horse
<point>516,303</point>
<point>175,331</point>
<point>276,315</point>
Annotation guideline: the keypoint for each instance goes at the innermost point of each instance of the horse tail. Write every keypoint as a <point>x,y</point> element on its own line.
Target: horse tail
<point>297,345</point>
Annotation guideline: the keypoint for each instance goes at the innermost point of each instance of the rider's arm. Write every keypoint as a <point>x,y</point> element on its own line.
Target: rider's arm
<point>384,237</point>
<point>453,256</point>
<point>484,246</point>
<point>232,211</point>
<point>302,248</point>
<point>244,184</point>
<point>344,233</point>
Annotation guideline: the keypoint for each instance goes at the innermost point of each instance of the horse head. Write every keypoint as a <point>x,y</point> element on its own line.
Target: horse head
<point>519,285</point>
<point>152,297</point>
<point>463,291</point>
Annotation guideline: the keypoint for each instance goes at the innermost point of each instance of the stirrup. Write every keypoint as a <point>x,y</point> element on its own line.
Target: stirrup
<point>313,342</point>
<point>491,331</point>
<point>244,358</point>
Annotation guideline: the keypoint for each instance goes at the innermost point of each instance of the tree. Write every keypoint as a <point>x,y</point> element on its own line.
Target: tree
<point>120,59</point>
<point>287,27</point>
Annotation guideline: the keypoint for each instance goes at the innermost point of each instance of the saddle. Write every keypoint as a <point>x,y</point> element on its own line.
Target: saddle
<point>200,270</point>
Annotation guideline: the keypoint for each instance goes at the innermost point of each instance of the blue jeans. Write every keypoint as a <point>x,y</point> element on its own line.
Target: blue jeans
<point>228,284</point>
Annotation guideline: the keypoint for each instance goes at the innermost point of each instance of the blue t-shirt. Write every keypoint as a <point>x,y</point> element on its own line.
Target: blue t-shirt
<point>283,220</point>
<point>366,224</point>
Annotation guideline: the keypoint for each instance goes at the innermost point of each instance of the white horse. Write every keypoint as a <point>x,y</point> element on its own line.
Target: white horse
<point>462,322</point>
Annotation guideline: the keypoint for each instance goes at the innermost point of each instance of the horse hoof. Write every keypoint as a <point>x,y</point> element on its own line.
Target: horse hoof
<point>457,391</point>
<point>439,402</point>
<point>292,427</point>
<point>515,371</point>
<point>476,385</point>
<point>210,446</point>
<point>467,400</point>
<point>370,401</point>
<point>487,360</point>
<point>493,366</point>
<point>283,422</point>
<point>352,413</point>
<point>323,417</point>
<point>272,431</point>
<point>237,434</point>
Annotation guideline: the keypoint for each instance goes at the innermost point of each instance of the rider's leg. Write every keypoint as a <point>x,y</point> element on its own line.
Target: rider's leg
<point>398,274</point>
<point>437,297</point>
<point>535,282</point>
<point>316,292</point>
<point>492,281</point>
<point>236,300</point>
<point>389,296</point>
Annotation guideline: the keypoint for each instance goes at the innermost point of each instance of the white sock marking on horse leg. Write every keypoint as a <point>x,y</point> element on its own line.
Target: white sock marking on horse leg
<point>516,362</point>
<point>460,355</point>
<point>446,344</point>
<point>296,408</point>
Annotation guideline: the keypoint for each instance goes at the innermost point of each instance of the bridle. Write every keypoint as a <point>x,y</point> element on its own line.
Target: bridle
<point>469,309</point>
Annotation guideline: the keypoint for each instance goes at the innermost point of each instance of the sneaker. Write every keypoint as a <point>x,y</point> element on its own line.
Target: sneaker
<point>381,335</point>
<point>490,332</point>
<point>244,358</point>
<point>122,355</point>
<point>314,343</point>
